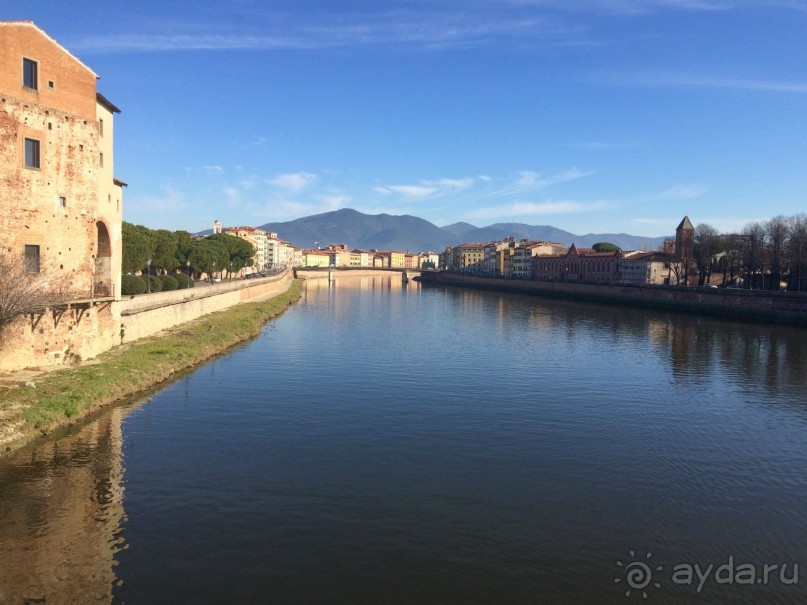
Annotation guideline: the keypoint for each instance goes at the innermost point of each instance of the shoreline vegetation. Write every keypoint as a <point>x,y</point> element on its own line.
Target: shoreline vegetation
<point>63,397</point>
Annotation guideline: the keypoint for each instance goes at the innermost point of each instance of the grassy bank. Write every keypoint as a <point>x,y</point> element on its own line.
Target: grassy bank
<point>62,397</point>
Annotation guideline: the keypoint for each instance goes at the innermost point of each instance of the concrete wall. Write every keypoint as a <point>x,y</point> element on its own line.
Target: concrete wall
<point>84,330</point>
<point>59,336</point>
<point>782,307</point>
<point>148,314</point>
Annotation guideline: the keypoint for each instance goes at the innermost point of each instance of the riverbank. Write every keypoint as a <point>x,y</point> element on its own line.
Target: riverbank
<point>61,398</point>
<point>788,308</point>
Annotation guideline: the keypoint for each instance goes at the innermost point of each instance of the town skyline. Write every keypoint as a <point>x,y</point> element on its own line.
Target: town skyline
<point>605,116</point>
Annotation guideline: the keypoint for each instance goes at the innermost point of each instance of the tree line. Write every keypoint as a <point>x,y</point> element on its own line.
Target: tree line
<point>763,255</point>
<point>170,251</point>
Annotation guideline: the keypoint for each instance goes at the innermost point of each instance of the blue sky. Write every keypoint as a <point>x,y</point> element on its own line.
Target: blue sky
<point>588,115</point>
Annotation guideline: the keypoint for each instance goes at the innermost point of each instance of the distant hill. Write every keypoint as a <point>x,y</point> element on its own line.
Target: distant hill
<point>358,230</point>
<point>499,231</point>
<point>384,231</point>
<point>459,228</point>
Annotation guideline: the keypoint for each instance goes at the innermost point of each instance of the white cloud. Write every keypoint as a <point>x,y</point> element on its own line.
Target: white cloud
<point>523,209</point>
<point>426,189</point>
<point>674,80</point>
<point>528,180</point>
<point>682,192</point>
<point>293,182</point>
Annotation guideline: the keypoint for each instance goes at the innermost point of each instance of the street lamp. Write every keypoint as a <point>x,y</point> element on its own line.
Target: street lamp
<point>148,269</point>
<point>188,265</point>
<point>230,272</point>
<point>212,271</point>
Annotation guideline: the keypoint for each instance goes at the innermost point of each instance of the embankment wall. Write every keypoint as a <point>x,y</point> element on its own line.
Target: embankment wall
<point>146,315</point>
<point>85,329</point>
<point>778,307</point>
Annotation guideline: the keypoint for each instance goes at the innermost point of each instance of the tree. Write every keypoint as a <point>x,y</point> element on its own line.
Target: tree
<point>240,251</point>
<point>138,245</point>
<point>165,250</point>
<point>731,263</point>
<point>183,246</point>
<point>205,252</point>
<point>25,291</point>
<point>606,247</point>
<point>797,252</point>
<point>753,253</point>
<point>776,233</point>
<point>705,246</point>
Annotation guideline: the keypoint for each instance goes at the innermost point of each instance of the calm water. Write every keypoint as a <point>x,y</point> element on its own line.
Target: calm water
<point>389,444</point>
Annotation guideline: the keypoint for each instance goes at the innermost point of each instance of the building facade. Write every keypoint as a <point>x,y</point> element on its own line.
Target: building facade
<point>60,204</point>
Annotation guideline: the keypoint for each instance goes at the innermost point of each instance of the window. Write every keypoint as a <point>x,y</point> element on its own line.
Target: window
<point>29,75</point>
<point>31,259</point>
<point>32,153</point>
<point>101,160</point>
<point>101,127</point>
<point>62,202</point>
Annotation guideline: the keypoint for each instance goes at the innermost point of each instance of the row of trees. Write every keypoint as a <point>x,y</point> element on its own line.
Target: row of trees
<point>172,250</point>
<point>764,254</point>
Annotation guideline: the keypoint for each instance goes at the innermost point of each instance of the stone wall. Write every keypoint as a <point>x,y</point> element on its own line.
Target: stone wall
<point>83,330</point>
<point>780,307</point>
<point>148,314</point>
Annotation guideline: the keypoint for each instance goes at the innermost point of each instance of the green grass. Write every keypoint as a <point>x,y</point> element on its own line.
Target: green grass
<point>63,396</point>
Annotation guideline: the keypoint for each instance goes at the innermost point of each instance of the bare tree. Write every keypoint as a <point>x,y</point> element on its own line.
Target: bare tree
<point>26,287</point>
<point>705,246</point>
<point>776,232</point>
<point>753,253</point>
<point>731,262</point>
<point>797,252</point>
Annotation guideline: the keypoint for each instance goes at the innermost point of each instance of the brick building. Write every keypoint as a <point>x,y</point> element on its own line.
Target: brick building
<point>60,205</point>
<point>578,264</point>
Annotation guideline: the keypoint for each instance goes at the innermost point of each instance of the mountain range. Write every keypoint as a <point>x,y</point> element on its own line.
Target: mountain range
<point>413,234</point>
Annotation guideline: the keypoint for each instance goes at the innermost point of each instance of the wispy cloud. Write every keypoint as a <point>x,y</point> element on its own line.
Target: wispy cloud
<point>606,145</point>
<point>426,25</point>
<point>426,189</point>
<point>293,182</point>
<point>480,187</point>
<point>169,200</point>
<point>527,209</point>
<point>673,80</point>
<point>682,192</point>
<point>527,180</point>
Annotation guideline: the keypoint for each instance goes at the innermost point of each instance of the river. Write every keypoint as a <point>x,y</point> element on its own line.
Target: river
<point>389,443</point>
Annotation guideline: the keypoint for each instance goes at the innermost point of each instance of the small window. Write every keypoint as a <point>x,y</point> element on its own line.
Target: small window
<point>62,202</point>
<point>50,84</point>
<point>101,160</point>
<point>101,127</point>
<point>32,153</point>
<point>31,259</point>
<point>29,74</point>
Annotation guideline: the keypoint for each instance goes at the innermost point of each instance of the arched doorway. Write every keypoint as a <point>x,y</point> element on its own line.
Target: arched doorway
<point>102,278</point>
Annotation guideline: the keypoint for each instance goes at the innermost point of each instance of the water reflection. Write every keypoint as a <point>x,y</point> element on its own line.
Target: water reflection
<point>770,358</point>
<point>392,443</point>
<point>61,506</point>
